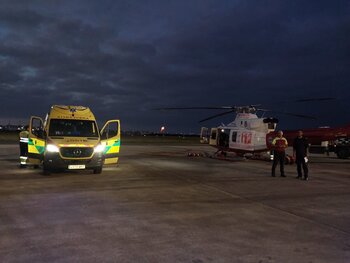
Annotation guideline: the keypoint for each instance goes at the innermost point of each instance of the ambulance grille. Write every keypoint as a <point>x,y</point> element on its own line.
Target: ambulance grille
<point>76,152</point>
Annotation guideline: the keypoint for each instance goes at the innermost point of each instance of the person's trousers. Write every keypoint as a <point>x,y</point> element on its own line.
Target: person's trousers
<point>23,146</point>
<point>300,161</point>
<point>278,157</point>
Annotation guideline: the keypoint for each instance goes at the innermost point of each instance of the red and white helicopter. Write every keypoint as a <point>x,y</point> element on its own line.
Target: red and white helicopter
<point>248,133</point>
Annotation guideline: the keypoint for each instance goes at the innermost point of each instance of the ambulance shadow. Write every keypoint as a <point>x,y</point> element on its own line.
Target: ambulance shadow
<point>64,173</point>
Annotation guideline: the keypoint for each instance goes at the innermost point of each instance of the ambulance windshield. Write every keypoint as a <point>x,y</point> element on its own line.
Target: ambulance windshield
<point>72,128</point>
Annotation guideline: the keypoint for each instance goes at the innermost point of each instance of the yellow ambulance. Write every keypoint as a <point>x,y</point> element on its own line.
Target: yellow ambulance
<point>69,139</point>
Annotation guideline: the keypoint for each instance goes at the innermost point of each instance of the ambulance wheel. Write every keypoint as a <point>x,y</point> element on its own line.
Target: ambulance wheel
<point>98,170</point>
<point>36,166</point>
<point>343,153</point>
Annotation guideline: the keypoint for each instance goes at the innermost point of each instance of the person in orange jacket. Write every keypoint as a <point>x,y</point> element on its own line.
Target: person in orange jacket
<point>279,153</point>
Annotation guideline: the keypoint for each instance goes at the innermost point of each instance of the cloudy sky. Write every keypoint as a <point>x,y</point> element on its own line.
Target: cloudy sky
<point>124,58</point>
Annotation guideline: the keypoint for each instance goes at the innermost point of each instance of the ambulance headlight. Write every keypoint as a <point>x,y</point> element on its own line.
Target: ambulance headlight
<point>99,148</point>
<point>52,148</point>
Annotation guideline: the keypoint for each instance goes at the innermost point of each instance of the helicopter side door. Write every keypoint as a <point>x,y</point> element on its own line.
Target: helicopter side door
<point>213,137</point>
<point>223,138</point>
<point>233,139</point>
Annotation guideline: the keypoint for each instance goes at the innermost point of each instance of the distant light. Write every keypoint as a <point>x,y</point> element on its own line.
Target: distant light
<point>162,129</point>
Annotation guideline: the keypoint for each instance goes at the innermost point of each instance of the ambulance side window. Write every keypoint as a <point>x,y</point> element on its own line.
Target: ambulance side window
<point>113,129</point>
<point>110,131</point>
<point>37,128</point>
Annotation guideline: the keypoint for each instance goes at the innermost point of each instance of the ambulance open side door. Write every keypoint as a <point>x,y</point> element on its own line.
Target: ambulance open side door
<point>36,141</point>
<point>110,138</point>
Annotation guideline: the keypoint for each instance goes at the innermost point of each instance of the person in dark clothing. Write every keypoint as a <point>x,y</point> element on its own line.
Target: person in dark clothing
<point>23,146</point>
<point>279,146</point>
<point>300,147</point>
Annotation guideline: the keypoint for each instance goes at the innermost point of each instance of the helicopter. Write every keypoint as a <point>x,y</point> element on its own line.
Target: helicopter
<point>247,134</point>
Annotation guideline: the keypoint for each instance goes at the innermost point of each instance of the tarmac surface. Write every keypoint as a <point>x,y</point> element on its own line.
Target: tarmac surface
<point>159,205</point>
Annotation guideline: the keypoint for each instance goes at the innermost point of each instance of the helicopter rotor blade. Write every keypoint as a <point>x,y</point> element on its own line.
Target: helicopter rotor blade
<point>295,115</point>
<point>290,114</point>
<point>265,110</point>
<point>217,115</point>
<point>252,107</point>
<point>315,99</point>
<point>199,108</point>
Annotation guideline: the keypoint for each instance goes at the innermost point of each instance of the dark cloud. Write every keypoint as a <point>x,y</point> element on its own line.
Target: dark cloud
<point>123,58</point>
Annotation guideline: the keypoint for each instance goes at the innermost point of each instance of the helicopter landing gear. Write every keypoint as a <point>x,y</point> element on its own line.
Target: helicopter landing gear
<point>223,154</point>
<point>228,156</point>
<point>220,154</point>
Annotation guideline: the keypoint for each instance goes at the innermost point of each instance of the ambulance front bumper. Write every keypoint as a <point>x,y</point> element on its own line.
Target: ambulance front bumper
<point>55,161</point>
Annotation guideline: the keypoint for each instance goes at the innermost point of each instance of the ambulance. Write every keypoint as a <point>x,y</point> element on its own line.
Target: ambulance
<point>69,139</point>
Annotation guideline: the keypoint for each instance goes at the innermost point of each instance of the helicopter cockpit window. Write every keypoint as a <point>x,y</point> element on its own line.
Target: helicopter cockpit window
<point>234,137</point>
<point>270,125</point>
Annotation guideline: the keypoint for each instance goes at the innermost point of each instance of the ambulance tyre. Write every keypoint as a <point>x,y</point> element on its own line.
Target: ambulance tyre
<point>98,170</point>
<point>343,153</point>
<point>46,170</point>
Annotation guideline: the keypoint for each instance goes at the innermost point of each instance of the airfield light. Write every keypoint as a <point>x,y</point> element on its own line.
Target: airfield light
<point>162,129</point>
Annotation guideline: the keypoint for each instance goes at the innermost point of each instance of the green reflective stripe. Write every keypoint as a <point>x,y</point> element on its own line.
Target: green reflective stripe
<point>107,149</point>
<point>40,149</point>
<point>116,143</point>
